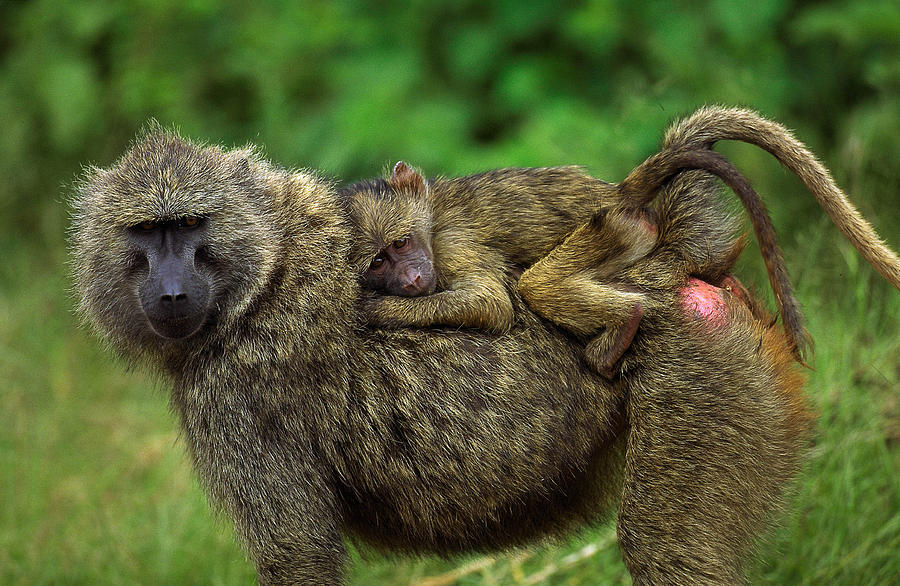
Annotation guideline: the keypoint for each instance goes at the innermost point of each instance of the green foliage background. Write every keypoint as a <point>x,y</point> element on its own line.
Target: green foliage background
<point>93,480</point>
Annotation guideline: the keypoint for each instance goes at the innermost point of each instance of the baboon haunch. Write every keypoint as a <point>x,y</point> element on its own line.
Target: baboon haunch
<point>306,426</point>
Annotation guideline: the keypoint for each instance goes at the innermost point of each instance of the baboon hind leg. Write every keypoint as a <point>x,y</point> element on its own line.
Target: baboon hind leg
<point>717,430</point>
<point>607,348</point>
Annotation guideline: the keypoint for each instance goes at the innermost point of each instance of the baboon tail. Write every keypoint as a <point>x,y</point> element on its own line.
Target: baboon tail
<point>693,220</point>
<point>711,124</point>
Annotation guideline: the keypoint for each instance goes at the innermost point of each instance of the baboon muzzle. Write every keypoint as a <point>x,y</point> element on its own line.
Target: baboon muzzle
<point>174,295</point>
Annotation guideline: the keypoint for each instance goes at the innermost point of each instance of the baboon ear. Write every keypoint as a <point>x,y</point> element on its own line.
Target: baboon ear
<point>405,178</point>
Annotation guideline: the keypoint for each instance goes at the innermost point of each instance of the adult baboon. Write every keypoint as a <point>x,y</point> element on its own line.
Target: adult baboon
<point>231,277</point>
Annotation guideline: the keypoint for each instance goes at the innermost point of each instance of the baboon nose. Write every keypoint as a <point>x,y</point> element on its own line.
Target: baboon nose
<point>414,285</point>
<point>176,303</point>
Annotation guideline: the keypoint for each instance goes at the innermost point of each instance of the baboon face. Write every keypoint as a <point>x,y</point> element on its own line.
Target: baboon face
<point>170,239</point>
<point>175,293</point>
<point>404,267</point>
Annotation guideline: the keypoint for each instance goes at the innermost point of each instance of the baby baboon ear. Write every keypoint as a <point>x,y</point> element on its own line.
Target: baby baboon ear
<point>405,178</point>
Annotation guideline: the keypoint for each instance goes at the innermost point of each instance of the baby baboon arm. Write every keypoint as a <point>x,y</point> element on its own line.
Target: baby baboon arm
<point>477,298</point>
<point>471,290</point>
<point>481,302</point>
<point>474,293</point>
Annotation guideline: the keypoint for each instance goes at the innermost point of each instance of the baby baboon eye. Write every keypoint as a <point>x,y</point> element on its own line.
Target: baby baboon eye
<point>148,225</point>
<point>401,242</point>
<point>190,221</point>
<point>376,262</point>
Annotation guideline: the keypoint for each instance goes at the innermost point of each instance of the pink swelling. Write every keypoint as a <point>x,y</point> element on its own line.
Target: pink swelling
<point>705,301</point>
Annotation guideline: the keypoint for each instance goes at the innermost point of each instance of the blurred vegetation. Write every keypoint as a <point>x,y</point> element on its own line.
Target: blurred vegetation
<point>94,483</point>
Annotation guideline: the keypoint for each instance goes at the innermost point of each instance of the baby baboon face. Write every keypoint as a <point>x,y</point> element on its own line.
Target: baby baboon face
<point>404,267</point>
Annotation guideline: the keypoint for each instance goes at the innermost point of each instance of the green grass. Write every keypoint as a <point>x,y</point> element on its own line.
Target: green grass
<point>96,487</point>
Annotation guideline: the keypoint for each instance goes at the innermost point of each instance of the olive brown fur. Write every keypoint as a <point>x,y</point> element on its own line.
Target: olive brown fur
<point>307,427</point>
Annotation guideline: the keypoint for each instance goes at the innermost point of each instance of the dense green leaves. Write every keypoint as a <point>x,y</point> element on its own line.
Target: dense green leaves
<point>454,86</point>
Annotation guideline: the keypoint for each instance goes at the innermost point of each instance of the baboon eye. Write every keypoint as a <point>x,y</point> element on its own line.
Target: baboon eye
<point>148,225</point>
<point>401,242</point>
<point>191,221</point>
<point>376,262</point>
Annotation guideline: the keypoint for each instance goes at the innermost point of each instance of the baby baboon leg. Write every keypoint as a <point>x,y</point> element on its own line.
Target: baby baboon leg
<point>566,285</point>
<point>605,350</point>
<point>582,305</point>
<point>580,250</point>
<point>607,244</point>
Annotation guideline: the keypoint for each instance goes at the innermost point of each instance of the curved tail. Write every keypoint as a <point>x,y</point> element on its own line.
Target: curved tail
<point>642,184</point>
<point>711,124</point>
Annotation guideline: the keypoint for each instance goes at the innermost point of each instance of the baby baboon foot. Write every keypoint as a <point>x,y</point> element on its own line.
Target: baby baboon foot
<point>738,291</point>
<point>603,352</point>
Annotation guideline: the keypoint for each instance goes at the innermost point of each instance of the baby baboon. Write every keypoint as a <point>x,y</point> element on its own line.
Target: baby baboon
<point>406,226</point>
<point>306,427</point>
<point>460,237</point>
